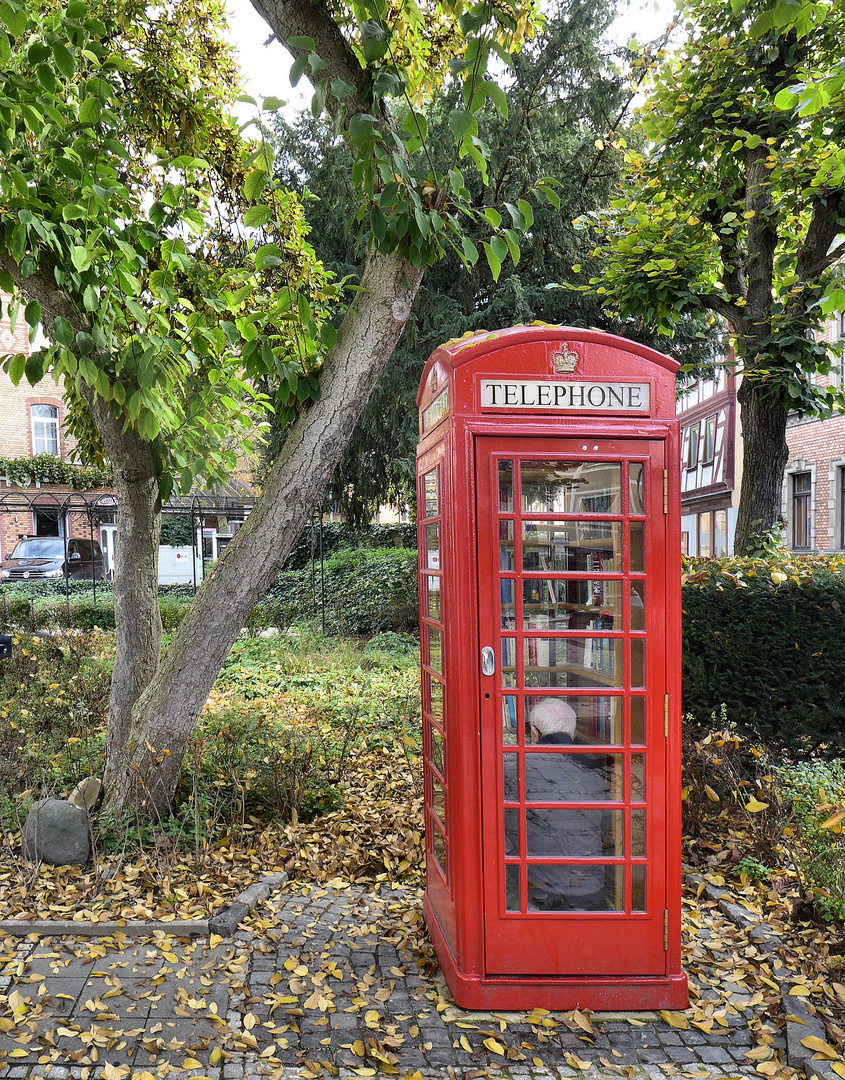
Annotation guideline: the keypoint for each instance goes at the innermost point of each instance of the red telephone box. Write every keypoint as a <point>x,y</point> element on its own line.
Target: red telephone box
<point>550,601</point>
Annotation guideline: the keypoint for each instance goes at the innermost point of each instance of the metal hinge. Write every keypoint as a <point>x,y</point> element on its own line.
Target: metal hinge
<point>666,715</point>
<point>665,491</point>
<point>666,930</point>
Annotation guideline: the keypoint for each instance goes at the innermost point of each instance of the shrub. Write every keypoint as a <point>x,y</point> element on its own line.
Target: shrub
<point>339,536</point>
<point>768,636</point>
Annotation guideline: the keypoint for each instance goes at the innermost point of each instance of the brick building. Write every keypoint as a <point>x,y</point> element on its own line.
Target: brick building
<point>32,425</point>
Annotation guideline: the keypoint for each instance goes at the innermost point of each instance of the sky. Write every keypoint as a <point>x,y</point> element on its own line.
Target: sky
<point>266,67</point>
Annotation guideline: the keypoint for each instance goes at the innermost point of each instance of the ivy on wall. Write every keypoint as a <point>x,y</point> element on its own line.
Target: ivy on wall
<point>48,469</point>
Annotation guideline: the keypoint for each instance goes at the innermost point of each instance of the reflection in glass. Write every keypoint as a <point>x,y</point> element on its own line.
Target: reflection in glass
<point>570,487</point>
<point>439,849</point>
<point>564,776</point>
<point>638,888</point>
<point>572,661</point>
<point>511,779</point>
<point>636,502</point>
<point>435,656</point>
<point>435,742</point>
<point>573,833</point>
<point>433,592</point>
<point>637,662</point>
<point>511,832</point>
<point>638,834</point>
<point>582,546</point>
<point>637,547</point>
<point>638,605</point>
<point>508,597</point>
<point>637,778</point>
<point>512,890</point>
<point>509,728</point>
<point>571,605</point>
<point>432,546</point>
<point>438,800</point>
<point>506,487</point>
<point>508,661</point>
<point>599,718</point>
<point>576,888</point>
<point>435,698</point>
<point>637,721</point>
<point>507,546</point>
<point>430,490</point>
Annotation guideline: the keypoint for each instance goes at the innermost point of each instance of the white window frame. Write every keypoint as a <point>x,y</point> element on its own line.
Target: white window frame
<point>45,440</point>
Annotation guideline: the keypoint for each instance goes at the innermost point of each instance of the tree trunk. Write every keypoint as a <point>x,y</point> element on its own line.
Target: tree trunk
<point>764,456</point>
<point>166,713</point>
<point>136,612</point>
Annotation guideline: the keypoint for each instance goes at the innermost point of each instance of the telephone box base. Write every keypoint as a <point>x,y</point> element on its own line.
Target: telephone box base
<point>557,993</point>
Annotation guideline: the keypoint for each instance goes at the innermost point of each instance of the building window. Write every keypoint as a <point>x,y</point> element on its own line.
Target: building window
<point>692,448</point>
<point>705,535</point>
<point>713,534</point>
<point>720,532</point>
<point>802,487</point>
<point>709,449</point>
<point>45,429</point>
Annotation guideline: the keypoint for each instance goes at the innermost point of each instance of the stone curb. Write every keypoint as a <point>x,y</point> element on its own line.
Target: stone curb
<point>797,1056</point>
<point>225,923</point>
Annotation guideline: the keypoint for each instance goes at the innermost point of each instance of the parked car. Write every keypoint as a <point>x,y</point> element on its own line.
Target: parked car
<point>37,557</point>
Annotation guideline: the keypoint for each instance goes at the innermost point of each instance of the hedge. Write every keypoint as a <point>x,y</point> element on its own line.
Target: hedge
<point>767,638</point>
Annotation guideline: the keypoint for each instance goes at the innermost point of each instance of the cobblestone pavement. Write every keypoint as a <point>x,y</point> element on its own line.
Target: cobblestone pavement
<point>328,982</point>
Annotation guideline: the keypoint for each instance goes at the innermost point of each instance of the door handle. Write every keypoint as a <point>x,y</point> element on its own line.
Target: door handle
<point>488,661</point>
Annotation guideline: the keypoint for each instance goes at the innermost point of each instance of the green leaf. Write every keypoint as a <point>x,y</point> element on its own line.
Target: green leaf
<point>16,368</point>
<point>254,183</point>
<point>416,124</point>
<point>272,104</point>
<point>461,123</point>
<point>84,342</point>
<point>516,217</point>
<point>13,18</point>
<point>302,43</point>
<point>492,217</point>
<point>494,262</point>
<point>90,299</point>
<point>89,111</point>
<point>297,69</point>
<point>342,89</point>
<point>470,250</point>
<point>64,60</point>
<point>257,216</point>
<point>328,336</point>
<point>527,212</point>
<point>62,331</point>
<point>32,313</point>
<point>318,101</point>
<point>81,258</point>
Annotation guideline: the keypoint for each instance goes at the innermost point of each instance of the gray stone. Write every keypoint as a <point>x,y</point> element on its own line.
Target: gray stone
<point>56,832</point>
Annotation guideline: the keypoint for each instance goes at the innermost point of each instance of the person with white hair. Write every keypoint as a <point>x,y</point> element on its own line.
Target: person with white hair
<point>560,776</point>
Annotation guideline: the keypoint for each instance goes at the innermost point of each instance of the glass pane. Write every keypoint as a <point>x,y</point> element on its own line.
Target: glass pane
<point>636,501</point>
<point>509,729</point>
<point>637,721</point>
<point>582,546</point>
<point>439,848</point>
<point>511,778</point>
<point>574,833</point>
<point>435,742</point>
<point>571,487</point>
<point>638,605</point>
<point>438,800</point>
<point>433,592</point>
<point>599,719</point>
<point>637,662</point>
<point>569,777</point>
<point>435,698</point>
<point>576,888</point>
<point>637,778</point>
<point>508,595</point>
<point>573,605</point>
<point>512,832</point>
<point>432,546</point>
<point>638,834</point>
<point>638,888</point>
<point>436,411</point>
<point>507,546</point>
<point>512,889</point>
<point>435,656</point>
<point>720,532</point>
<point>508,661</point>
<point>506,487</point>
<point>637,547</point>
<point>430,493</point>
<point>573,662</point>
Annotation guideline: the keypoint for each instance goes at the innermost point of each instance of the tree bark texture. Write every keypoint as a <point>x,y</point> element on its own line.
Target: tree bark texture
<point>764,455</point>
<point>167,711</point>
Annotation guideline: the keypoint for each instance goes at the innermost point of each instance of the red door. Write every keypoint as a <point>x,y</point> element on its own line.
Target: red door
<point>571,542</point>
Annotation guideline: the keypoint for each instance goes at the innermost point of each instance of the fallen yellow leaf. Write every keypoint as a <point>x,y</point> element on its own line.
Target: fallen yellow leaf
<point>495,1047</point>
<point>819,1046</point>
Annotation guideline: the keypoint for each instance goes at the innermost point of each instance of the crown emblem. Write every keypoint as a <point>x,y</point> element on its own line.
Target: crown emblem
<point>434,380</point>
<point>565,360</point>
